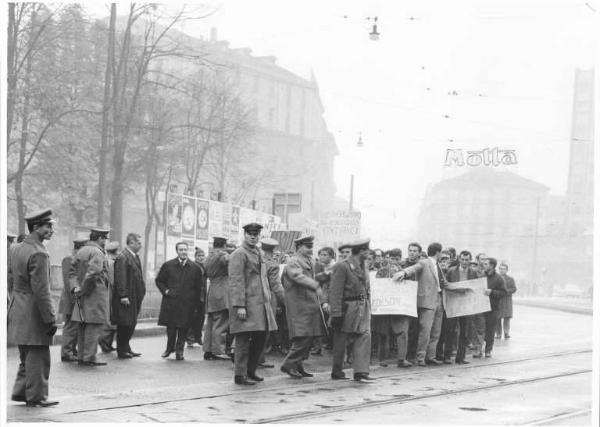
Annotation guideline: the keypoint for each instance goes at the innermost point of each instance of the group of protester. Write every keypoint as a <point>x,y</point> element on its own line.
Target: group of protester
<point>241,302</point>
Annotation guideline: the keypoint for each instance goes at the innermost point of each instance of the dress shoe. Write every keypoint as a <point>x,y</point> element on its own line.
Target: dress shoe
<point>17,398</point>
<point>179,357</point>
<point>255,377</point>
<point>125,356</point>
<point>383,364</point>
<point>434,362</point>
<point>68,359</point>
<point>339,376</point>
<point>41,403</point>
<point>462,362</point>
<point>318,352</point>
<point>363,377</point>
<point>302,372</point>
<point>167,353</point>
<point>90,363</point>
<point>421,363</point>
<point>291,372</point>
<point>477,355</point>
<point>106,349</point>
<point>134,354</point>
<point>488,354</point>
<point>266,365</point>
<point>447,361</point>
<point>404,364</point>
<point>238,379</point>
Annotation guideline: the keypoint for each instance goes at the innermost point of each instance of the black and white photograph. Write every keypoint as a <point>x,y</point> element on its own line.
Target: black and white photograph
<point>365,212</point>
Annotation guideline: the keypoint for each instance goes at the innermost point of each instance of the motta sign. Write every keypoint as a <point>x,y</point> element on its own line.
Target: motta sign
<point>486,157</point>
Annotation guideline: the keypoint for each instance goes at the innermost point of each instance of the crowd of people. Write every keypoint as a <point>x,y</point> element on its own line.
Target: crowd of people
<point>240,303</point>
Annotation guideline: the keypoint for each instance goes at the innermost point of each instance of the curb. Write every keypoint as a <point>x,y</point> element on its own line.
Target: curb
<point>558,307</point>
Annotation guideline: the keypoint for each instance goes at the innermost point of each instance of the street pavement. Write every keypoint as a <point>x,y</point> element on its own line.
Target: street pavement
<point>541,375</point>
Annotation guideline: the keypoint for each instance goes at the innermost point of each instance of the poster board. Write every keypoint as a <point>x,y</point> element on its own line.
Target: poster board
<point>471,301</point>
<point>393,297</point>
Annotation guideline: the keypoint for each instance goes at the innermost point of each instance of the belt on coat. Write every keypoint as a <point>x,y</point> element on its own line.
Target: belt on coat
<point>360,297</point>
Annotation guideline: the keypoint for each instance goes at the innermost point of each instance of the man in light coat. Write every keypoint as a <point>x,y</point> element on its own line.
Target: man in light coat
<point>305,316</point>
<point>31,314</point>
<point>431,281</point>
<point>251,315</point>
<point>89,282</point>
<point>107,336</point>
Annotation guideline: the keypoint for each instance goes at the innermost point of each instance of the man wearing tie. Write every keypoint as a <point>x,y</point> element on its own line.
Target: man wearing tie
<point>429,303</point>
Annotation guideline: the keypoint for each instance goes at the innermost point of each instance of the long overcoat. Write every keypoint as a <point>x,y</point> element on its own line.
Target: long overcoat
<point>505,306</point>
<point>349,280</point>
<point>89,271</point>
<point>31,309</point>
<point>218,276</point>
<point>302,305</point>
<point>250,288</point>
<point>184,284</point>
<point>128,283</point>
<point>67,299</point>
<point>273,276</point>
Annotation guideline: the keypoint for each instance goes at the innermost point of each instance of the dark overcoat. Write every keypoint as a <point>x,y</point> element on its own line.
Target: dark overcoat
<point>495,283</point>
<point>273,277</point>
<point>350,280</point>
<point>184,284</point>
<point>250,288</point>
<point>218,277</point>
<point>505,306</point>
<point>302,305</point>
<point>31,310</point>
<point>89,271</point>
<point>67,299</point>
<point>128,283</point>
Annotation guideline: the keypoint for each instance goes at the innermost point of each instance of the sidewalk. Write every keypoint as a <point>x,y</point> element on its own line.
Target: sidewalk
<point>569,305</point>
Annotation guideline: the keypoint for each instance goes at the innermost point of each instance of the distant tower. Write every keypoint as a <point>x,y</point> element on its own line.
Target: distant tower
<point>580,190</point>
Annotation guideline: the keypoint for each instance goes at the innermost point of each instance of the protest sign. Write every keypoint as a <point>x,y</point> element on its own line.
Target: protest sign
<point>338,226</point>
<point>202,219</point>
<point>471,300</point>
<point>393,297</point>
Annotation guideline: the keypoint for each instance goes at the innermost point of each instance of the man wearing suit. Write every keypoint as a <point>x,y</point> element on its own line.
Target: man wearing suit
<point>429,303</point>
<point>496,291</point>
<point>128,294</point>
<point>505,307</point>
<point>462,272</point>
<point>31,314</point>
<point>303,297</point>
<point>68,351</point>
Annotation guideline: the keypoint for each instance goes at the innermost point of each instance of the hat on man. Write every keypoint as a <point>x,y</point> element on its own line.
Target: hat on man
<point>360,244</point>
<point>101,231</point>
<point>304,240</point>
<point>41,217</point>
<point>11,236</point>
<point>268,243</point>
<point>112,246</point>
<point>219,241</point>
<point>344,246</point>
<point>252,227</point>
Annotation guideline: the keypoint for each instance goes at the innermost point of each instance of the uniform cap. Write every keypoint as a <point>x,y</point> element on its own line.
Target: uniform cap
<point>80,241</point>
<point>304,240</point>
<point>253,226</point>
<point>360,244</point>
<point>269,243</point>
<point>11,236</point>
<point>344,246</point>
<point>43,216</point>
<point>219,240</point>
<point>100,230</point>
<point>112,246</point>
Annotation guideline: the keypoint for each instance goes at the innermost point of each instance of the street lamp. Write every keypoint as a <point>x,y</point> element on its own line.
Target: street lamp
<point>374,35</point>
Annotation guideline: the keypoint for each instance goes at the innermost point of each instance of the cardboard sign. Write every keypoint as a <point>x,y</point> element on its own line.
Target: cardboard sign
<point>393,297</point>
<point>471,300</point>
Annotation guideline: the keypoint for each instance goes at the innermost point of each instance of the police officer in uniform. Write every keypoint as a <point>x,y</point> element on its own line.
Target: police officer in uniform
<point>68,350</point>
<point>31,314</point>
<point>89,282</point>
<point>350,312</point>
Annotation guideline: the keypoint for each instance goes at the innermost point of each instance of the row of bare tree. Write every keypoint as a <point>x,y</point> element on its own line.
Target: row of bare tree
<point>98,108</point>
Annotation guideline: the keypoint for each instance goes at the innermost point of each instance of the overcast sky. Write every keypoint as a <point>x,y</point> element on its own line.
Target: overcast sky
<point>511,64</point>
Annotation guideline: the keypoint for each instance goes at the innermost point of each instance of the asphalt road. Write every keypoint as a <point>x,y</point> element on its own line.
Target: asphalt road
<point>542,376</point>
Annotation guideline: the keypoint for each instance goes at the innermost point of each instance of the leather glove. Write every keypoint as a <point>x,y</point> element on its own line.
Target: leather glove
<point>336,323</point>
<point>51,329</point>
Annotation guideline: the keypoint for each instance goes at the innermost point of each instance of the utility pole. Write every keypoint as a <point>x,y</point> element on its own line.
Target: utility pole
<point>535,241</point>
<point>351,207</point>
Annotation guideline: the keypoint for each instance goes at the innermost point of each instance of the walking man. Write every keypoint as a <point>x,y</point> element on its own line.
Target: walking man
<point>251,315</point>
<point>350,312</point>
<point>505,306</point>
<point>128,294</point>
<point>496,291</point>
<point>180,283</point>
<point>89,282</point>
<point>303,299</point>
<point>108,335</point>
<point>31,314</point>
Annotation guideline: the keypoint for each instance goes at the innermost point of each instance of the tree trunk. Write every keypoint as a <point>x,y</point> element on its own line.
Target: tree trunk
<point>106,105</point>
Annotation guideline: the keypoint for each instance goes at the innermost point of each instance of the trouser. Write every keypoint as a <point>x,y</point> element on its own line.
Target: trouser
<point>107,336</point>
<point>176,339</point>
<point>491,317</point>
<point>430,325</point>
<point>399,326</point>
<point>299,351</point>
<point>215,334</point>
<point>124,334</point>
<point>87,341</point>
<point>499,325</point>
<point>361,351</point>
<point>195,332</point>
<point>69,337</point>
<point>462,323</point>
<point>248,348</point>
<point>34,371</point>
<point>413,338</point>
<point>478,331</point>
<point>442,343</point>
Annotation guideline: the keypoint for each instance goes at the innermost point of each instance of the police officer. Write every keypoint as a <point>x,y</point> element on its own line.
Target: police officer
<point>68,351</point>
<point>89,282</point>
<point>217,307</point>
<point>303,297</point>
<point>31,314</point>
<point>350,312</point>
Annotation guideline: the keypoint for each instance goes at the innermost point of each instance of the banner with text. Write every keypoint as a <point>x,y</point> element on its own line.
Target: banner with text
<point>466,298</point>
<point>339,226</point>
<point>393,297</point>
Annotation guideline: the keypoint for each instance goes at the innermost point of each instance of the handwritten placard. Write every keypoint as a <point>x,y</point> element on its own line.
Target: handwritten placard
<point>393,297</point>
<point>466,298</point>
